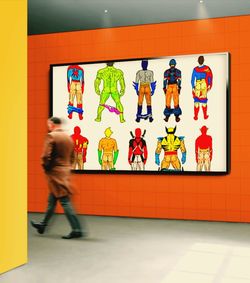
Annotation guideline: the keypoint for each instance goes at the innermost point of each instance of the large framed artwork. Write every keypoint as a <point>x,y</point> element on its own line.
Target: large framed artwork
<point>167,115</point>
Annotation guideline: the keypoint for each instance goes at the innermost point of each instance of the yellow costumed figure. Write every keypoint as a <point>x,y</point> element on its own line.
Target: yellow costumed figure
<point>170,144</point>
<point>107,151</point>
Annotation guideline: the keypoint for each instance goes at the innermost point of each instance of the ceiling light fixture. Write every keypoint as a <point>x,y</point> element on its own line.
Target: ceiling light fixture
<point>201,1</point>
<point>105,11</point>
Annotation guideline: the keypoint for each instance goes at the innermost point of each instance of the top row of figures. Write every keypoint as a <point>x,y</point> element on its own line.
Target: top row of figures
<point>110,82</point>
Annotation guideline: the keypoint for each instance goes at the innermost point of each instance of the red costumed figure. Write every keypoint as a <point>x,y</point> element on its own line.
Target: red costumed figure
<point>203,150</point>
<point>75,82</point>
<point>138,152</point>
<point>202,81</point>
<point>80,149</point>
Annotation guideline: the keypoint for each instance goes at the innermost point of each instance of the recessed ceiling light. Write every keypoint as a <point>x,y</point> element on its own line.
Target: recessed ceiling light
<point>201,1</point>
<point>106,11</point>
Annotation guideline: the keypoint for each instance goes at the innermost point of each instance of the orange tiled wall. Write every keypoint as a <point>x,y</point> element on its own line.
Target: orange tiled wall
<point>224,198</point>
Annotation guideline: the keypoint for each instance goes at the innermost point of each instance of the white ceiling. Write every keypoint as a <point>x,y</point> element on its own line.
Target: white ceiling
<point>48,16</point>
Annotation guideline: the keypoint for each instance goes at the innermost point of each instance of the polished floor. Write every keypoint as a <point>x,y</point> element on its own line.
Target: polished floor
<point>125,250</point>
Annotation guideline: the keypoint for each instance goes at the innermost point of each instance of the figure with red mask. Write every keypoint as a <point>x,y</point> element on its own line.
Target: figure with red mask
<point>75,83</point>
<point>80,149</point>
<point>202,81</point>
<point>138,152</point>
<point>203,150</point>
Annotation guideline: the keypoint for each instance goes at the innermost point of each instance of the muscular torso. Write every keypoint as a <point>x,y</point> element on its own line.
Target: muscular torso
<point>137,146</point>
<point>204,142</point>
<point>110,77</point>
<point>107,145</point>
<point>144,76</point>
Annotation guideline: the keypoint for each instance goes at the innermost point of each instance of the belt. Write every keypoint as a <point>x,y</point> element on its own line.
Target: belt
<point>170,153</point>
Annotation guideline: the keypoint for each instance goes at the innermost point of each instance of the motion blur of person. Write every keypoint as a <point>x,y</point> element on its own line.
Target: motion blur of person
<point>57,159</point>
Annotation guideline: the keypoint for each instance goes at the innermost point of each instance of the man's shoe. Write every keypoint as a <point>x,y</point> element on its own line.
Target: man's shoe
<point>40,227</point>
<point>73,235</point>
<point>166,118</point>
<point>177,118</point>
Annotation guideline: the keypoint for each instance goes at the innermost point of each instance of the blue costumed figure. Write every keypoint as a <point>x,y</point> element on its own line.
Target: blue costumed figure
<point>172,89</point>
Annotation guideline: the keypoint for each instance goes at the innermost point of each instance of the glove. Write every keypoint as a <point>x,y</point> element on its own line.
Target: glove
<point>100,157</point>
<point>157,159</point>
<point>115,156</point>
<point>179,89</point>
<point>183,158</point>
<point>153,86</point>
<point>136,87</point>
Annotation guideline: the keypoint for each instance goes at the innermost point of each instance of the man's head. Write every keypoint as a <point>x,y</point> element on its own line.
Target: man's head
<point>110,63</point>
<point>144,64</point>
<point>201,60</point>
<point>172,63</point>
<point>77,130</point>
<point>137,132</point>
<point>170,130</point>
<point>54,123</point>
<point>203,130</point>
<point>108,132</point>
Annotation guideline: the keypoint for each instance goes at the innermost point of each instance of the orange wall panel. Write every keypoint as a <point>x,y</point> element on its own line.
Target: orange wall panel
<point>222,198</point>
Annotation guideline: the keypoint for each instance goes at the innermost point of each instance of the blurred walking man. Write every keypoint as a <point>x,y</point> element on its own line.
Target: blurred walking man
<point>57,159</point>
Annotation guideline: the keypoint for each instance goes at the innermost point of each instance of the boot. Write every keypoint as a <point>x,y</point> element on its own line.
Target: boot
<point>149,113</point>
<point>177,118</point>
<point>40,226</point>
<point>204,108</point>
<point>196,111</point>
<point>80,114</point>
<point>73,235</point>
<point>138,114</point>
<point>71,113</point>
<point>177,112</point>
<point>166,118</point>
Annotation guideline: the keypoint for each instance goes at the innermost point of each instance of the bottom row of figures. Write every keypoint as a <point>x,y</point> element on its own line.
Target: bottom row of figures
<point>138,153</point>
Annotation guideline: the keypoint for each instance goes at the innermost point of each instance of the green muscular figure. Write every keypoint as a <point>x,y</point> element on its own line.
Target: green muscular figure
<point>110,76</point>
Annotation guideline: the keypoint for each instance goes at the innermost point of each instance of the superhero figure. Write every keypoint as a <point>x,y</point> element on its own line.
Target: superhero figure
<point>145,87</point>
<point>203,150</point>
<point>80,149</point>
<point>138,152</point>
<point>202,80</point>
<point>110,77</point>
<point>107,151</point>
<point>75,79</point>
<point>170,144</point>
<point>172,89</point>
